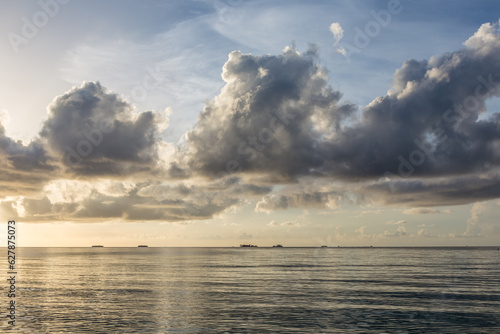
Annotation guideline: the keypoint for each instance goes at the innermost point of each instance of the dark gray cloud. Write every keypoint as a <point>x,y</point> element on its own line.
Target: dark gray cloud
<point>428,124</point>
<point>277,115</point>
<point>277,118</point>
<point>94,132</point>
<point>23,168</point>
<point>269,118</point>
<point>435,191</point>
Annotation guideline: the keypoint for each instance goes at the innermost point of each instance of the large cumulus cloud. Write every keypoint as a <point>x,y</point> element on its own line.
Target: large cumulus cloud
<point>277,115</point>
<point>429,124</point>
<point>270,117</point>
<point>94,132</point>
<point>277,118</point>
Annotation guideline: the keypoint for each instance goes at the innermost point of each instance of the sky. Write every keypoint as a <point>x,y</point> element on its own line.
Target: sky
<point>221,122</point>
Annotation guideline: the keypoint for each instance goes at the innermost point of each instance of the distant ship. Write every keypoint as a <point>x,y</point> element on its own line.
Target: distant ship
<point>142,246</point>
<point>324,246</point>
<point>248,245</point>
<point>97,246</point>
<point>278,245</point>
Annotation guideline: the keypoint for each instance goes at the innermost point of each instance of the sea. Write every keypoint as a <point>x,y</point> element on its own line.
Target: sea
<point>254,290</point>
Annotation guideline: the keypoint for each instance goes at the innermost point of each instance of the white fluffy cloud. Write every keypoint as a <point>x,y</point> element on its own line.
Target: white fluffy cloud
<point>337,32</point>
<point>473,228</point>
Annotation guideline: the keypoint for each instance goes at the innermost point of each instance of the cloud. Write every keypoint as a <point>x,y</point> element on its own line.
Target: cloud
<point>90,146</point>
<point>23,168</point>
<point>361,230</point>
<point>399,222</point>
<point>277,117</point>
<point>130,207</point>
<point>429,192</point>
<point>423,233</point>
<point>428,123</point>
<point>273,223</point>
<point>107,199</point>
<point>93,132</point>
<point>473,228</point>
<point>4,117</point>
<point>337,32</point>
<point>291,223</point>
<point>369,212</point>
<point>485,40</point>
<point>18,157</point>
<point>316,200</point>
<point>421,211</point>
<point>269,118</point>
<point>400,232</point>
<point>277,133</point>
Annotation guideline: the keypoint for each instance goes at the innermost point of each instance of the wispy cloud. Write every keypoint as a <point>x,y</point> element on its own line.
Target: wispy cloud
<point>424,211</point>
<point>398,222</point>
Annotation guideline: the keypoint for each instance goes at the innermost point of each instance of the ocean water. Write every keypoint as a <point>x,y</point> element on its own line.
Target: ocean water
<point>255,290</point>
